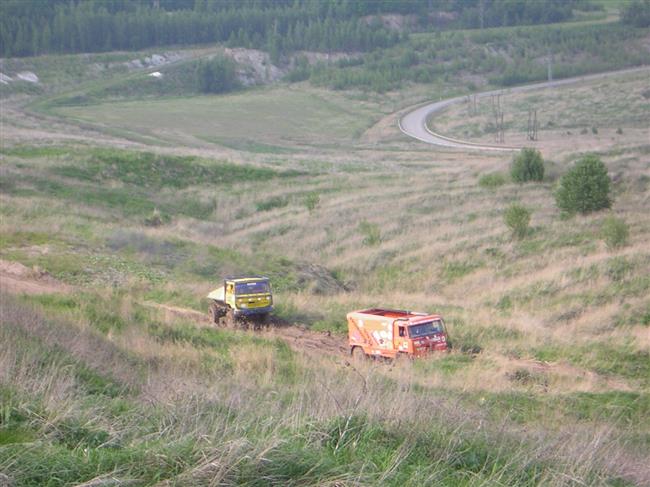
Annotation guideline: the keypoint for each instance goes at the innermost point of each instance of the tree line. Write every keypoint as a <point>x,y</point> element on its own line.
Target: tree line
<point>31,27</point>
<point>505,56</point>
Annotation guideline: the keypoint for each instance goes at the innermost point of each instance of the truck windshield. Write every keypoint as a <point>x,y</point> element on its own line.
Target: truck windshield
<point>252,287</point>
<point>425,329</point>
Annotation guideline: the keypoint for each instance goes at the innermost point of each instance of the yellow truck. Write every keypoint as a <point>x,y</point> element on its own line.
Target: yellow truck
<point>241,300</point>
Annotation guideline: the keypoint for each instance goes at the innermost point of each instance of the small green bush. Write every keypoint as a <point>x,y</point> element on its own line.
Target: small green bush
<point>528,165</point>
<point>517,218</point>
<point>272,203</point>
<point>492,180</point>
<point>618,269</point>
<point>311,201</point>
<point>371,233</point>
<point>585,188</point>
<point>156,219</point>
<point>614,232</point>
<point>218,75</point>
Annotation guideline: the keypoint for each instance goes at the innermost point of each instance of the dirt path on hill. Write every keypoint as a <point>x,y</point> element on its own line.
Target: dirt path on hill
<point>15,278</point>
<point>297,335</point>
<point>300,338</point>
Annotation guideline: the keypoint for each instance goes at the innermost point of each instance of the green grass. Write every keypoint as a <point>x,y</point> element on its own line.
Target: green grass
<point>492,180</point>
<point>620,360</point>
<point>271,117</point>
<point>576,111</point>
<point>109,431</point>
<point>446,363</point>
<point>36,152</point>
<point>272,203</point>
<point>249,145</point>
<point>156,171</point>
<point>147,181</point>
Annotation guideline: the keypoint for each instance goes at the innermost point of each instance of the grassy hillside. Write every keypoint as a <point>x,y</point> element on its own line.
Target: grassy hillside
<point>124,215</point>
<point>599,115</point>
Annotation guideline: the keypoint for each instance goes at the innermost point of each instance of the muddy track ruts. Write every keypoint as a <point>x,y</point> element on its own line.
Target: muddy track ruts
<point>15,278</point>
<point>297,335</point>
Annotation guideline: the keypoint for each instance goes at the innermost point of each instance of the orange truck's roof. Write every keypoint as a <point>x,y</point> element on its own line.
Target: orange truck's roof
<point>392,314</point>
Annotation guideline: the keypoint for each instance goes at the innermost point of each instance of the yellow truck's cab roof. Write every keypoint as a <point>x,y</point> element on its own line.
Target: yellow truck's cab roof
<point>246,278</point>
<point>219,294</point>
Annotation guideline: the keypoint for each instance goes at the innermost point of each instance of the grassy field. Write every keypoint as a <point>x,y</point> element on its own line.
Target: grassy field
<point>266,120</point>
<point>123,213</point>
<point>600,115</point>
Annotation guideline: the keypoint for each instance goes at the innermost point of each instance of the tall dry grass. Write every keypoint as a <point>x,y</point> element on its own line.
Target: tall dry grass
<point>250,412</point>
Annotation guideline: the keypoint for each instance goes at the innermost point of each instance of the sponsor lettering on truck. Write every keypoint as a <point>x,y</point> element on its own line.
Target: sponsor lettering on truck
<point>390,333</point>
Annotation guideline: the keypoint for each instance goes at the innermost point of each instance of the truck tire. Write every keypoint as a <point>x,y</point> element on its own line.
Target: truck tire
<point>214,313</point>
<point>258,322</point>
<point>230,319</point>
<point>358,355</point>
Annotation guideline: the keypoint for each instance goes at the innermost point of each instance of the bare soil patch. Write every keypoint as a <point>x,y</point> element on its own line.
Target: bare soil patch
<point>15,278</point>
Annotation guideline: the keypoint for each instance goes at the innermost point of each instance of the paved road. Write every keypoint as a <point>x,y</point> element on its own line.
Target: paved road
<point>414,123</point>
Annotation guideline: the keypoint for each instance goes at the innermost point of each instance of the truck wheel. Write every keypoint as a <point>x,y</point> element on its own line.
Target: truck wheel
<point>214,313</point>
<point>258,322</point>
<point>358,355</point>
<point>230,319</point>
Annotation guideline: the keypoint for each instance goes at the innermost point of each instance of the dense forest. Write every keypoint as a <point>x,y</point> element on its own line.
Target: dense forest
<point>31,27</point>
<point>507,57</point>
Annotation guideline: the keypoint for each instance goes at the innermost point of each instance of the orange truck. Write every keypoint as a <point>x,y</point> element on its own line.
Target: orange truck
<point>391,333</point>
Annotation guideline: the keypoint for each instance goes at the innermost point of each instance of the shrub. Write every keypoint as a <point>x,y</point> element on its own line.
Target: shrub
<point>218,75</point>
<point>585,188</point>
<point>272,203</point>
<point>614,232</point>
<point>311,201</point>
<point>618,268</point>
<point>517,218</point>
<point>528,165</point>
<point>156,219</point>
<point>492,180</point>
<point>371,233</point>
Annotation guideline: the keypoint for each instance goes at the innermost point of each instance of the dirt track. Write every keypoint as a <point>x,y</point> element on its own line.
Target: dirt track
<point>297,336</point>
<point>15,278</point>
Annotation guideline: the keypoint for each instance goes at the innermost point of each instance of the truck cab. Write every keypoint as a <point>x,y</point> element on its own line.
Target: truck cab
<point>389,333</point>
<point>248,296</point>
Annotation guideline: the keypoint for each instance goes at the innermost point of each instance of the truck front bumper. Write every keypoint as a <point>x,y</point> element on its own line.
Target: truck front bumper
<point>253,311</point>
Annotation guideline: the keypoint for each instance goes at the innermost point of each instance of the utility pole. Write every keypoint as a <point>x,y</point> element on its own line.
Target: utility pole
<point>472,105</point>
<point>549,64</point>
<point>532,125</point>
<point>499,135</point>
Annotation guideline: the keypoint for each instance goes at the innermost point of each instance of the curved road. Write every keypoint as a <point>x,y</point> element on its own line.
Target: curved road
<point>414,123</point>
